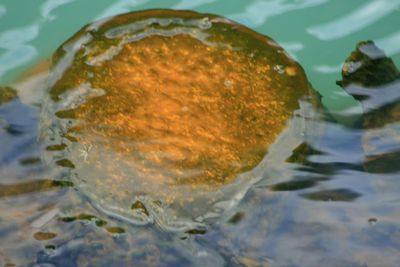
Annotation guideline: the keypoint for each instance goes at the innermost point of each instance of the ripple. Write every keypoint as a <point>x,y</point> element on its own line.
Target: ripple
<point>18,36</point>
<point>270,225</point>
<point>51,5</point>
<point>3,10</point>
<point>355,21</point>
<point>390,44</point>
<point>332,195</point>
<point>17,51</point>
<point>121,7</point>
<point>378,96</point>
<point>327,69</point>
<point>16,57</point>
<point>257,13</point>
<point>184,4</point>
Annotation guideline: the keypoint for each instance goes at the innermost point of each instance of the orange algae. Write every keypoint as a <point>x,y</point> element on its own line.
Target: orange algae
<point>42,236</point>
<point>171,103</point>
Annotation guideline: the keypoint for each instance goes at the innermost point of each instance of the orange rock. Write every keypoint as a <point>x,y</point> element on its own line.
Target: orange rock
<point>167,103</point>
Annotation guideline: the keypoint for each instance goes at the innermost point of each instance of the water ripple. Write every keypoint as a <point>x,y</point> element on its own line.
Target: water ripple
<point>120,7</point>
<point>336,205</point>
<point>16,57</point>
<point>257,13</point>
<point>354,21</point>
<point>2,11</point>
<point>18,36</point>
<point>328,69</point>
<point>17,51</point>
<point>51,5</point>
<point>390,44</point>
<point>378,97</point>
<point>185,4</point>
<point>292,48</point>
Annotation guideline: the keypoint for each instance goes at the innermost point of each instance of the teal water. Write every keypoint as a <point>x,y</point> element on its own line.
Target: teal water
<point>355,221</point>
<point>318,33</point>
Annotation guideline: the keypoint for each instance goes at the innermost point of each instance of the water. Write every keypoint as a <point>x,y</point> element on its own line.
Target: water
<point>322,211</point>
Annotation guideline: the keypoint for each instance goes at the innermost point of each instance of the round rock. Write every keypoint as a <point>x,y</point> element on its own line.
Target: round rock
<point>163,110</point>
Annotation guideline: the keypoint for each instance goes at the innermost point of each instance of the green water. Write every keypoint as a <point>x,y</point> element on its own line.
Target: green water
<point>325,211</point>
<point>302,27</point>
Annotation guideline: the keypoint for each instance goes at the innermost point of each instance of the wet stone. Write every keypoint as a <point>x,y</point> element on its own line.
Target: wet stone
<point>41,236</point>
<point>167,106</point>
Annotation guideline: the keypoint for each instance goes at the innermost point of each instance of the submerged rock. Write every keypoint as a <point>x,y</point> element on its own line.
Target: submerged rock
<point>164,110</point>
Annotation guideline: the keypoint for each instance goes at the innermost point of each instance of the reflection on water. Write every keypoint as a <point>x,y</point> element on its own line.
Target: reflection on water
<point>355,21</point>
<point>328,201</point>
<point>2,11</point>
<point>389,43</point>
<point>256,13</point>
<point>191,4</point>
<point>15,43</point>
<point>49,6</point>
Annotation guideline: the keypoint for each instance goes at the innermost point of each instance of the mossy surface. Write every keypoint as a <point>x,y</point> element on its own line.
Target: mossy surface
<point>7,94</point>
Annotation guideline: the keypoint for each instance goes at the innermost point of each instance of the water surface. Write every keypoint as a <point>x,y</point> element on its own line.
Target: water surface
<point>318,209</point>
